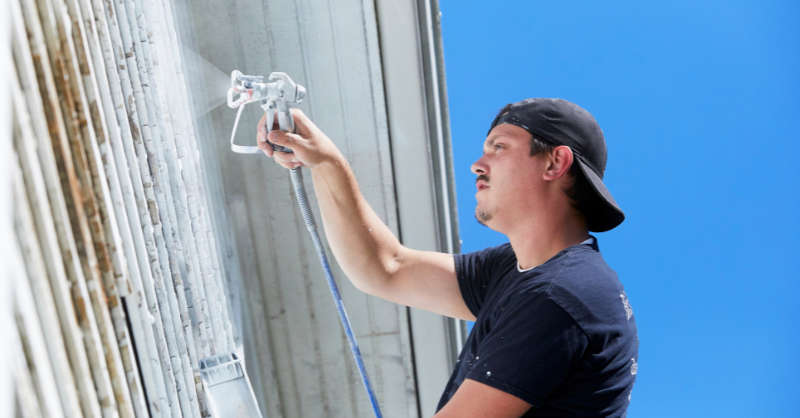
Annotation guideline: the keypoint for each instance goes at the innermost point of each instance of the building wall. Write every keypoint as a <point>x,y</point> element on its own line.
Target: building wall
<point>297,354</point>
<point>143,244</point>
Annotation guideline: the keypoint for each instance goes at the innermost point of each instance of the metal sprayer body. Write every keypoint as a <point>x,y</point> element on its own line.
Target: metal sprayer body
<point>279,95</point>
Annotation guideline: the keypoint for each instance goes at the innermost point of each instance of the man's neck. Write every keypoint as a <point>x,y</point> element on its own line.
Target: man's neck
<point>542,240</point>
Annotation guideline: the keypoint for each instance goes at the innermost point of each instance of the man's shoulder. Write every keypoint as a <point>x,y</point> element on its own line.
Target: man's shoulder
<point>582,269</point>
<point>588,289</point>
<point>490,261</point>
<point>498,252</point>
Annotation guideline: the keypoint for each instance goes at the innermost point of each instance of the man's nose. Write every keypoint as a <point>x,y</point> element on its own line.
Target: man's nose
<point>479,167</point>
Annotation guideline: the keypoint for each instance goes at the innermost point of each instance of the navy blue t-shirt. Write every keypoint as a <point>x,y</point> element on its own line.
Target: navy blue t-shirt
<point>561,336</point>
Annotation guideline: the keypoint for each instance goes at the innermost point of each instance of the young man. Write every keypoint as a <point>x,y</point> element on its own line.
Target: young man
<point>554,334</point>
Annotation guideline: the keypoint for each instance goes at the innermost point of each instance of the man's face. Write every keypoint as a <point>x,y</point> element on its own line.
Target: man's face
<point>508,178</point>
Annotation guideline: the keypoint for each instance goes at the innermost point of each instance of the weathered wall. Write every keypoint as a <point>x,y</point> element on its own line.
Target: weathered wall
<point>119,289</point>
<point>141,244</point>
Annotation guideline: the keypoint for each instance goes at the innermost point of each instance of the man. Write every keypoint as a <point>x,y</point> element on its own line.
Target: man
<point>554,333</point>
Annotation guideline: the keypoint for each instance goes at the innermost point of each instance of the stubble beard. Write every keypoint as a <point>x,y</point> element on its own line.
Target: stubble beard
<point>483,216</point>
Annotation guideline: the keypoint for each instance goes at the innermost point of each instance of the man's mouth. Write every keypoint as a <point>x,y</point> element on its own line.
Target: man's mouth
<point>482,182</point>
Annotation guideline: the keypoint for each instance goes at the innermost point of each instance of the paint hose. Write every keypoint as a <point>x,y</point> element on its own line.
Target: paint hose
<point>308,216</point>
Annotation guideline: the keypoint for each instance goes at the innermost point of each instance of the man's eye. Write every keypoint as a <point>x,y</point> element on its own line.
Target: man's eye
<point>498,146</point>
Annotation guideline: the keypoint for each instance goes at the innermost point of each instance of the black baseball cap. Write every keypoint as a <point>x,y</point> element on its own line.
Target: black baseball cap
<point>559,122</point>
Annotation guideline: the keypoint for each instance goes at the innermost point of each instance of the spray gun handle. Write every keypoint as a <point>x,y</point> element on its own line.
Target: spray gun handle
<point>285,121</point>
<point>283,94</point>
<point>285,118</point>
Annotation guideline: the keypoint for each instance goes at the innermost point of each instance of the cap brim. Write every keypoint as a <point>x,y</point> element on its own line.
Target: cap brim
<point>606,215</point>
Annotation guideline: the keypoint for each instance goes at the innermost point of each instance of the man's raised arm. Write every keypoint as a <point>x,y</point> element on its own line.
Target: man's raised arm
<point>370,255</point>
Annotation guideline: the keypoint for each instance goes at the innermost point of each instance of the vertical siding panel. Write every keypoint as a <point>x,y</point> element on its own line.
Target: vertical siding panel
<point>72,221</point>
<point>37,267</point>
<point>219,225</point>
<point>146,185</point>
<point>103,260</point>
<point>26,405</point>
<point>51,217</point>
<point>41,336</point>
<point>186,150</point>
<point>160,79</point>
<point>27,384</point>
<point>127,209</point>
<point>114,214</point>
<point>169,173</point>
<point>171,118</point>
<point>182,346</point>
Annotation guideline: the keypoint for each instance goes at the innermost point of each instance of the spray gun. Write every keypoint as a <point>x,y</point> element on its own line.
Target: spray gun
<point>280,95</point>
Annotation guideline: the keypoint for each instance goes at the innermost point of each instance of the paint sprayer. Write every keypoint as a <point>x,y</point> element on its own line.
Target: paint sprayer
<point>278,96</point>
<point>223,374</point>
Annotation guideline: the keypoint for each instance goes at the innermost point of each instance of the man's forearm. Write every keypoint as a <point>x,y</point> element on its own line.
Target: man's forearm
<point>363,245</point>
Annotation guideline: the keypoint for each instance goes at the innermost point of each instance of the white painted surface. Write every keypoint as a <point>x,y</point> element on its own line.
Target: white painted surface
<point>28,56</point>
<point>153,212</point>
<point>7,326</point>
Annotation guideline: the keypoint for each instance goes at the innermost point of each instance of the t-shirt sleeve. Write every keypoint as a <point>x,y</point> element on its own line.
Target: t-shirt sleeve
<point>473,271</point>
<point>531,350</point>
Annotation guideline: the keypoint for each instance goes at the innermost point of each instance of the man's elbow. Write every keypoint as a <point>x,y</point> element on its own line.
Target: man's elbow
<point>380,280</point>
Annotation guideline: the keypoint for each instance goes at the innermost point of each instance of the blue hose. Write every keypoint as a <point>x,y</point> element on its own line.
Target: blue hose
<point>308,216</point>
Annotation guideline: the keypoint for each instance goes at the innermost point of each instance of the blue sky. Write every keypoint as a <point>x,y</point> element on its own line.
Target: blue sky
<point>700,104</point>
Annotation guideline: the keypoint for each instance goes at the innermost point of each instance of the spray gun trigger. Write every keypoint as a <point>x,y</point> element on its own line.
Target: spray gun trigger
<point>301,93</point>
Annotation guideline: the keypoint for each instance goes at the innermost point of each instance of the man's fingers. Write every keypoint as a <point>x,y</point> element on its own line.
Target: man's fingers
<point>261,137</point>
<point>300,142</point>
<point>285,157</point>
<point>298,116</point>
<point>261,141</point>
<point>302,124</point>
<point>285,165</point>
<point>277,137</point>
<point>286,160</point>
<point>284,138</point>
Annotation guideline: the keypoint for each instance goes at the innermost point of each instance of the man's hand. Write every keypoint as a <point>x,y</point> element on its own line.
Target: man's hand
<point>311,147</point>
<point>477,400</point>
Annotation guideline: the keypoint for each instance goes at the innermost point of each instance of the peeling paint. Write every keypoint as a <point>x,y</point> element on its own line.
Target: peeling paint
<point>129,221</point>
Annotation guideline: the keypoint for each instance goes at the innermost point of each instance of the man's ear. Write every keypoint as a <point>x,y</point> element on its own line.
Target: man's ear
<point>559,162</point>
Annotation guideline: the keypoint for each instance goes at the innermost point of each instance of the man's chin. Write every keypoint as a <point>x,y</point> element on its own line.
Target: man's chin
<point>483,217</point>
